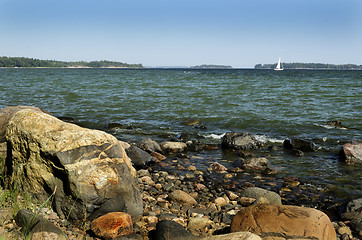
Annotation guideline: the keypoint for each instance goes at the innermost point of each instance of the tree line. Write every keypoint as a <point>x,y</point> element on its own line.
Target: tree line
<point>311,66</point>
<point>33,63</point>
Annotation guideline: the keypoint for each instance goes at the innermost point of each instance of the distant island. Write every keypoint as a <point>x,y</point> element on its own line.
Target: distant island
<point>209,66</point>
<point>22,62</point>
<point>321,66</point>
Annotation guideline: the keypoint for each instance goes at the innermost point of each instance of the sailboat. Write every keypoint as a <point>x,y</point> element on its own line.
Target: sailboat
<point>279,67</point>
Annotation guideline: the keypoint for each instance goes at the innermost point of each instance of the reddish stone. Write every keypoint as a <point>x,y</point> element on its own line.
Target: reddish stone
<point>112,225</point>
<point>352,152</point>
<point>158,156</point>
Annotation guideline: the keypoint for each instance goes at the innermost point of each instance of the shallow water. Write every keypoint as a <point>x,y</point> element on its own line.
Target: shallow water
<point>155,102</point>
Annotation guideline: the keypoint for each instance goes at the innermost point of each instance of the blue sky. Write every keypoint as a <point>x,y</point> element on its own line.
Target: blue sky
<point>183,33</point>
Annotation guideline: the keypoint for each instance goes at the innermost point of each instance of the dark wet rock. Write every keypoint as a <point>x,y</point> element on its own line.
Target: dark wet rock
<point>261,195</point>
<point>115,126</point>
<point>66,119</point>
<point>290,222</point>
<point>353,212</point>
<point>149,145</point>
<point>351,153</point>
<point>139,158</point>
<point>246,154</point>
<point>89,168</point>
<point>335,124</point>
<point>240,141</point>
<point>31,224</point>
<point>195,146</point>
<point>299,144</point>
<point>170,230</point>
<point>191,122</point>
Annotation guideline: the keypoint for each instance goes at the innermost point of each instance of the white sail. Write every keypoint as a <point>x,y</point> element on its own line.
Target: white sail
<point>278,67</point>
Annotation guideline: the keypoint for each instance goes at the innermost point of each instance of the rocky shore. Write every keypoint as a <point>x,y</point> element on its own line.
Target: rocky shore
<point>86,184</point>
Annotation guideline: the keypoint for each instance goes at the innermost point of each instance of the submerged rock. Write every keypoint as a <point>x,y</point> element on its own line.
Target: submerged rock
<point>351,153</point>
<point>299,144</point>
<point>336,124</point>
<point>287,221</point>
<point>260,163</point>
<point>240,141</point>
<point>89,168</point>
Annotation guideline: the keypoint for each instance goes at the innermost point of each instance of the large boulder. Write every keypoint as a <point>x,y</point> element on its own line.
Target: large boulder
<point>351,153</point>
<point>242,141</point>
<point>284,221</point>
<point>89,168</point>
<point>7,113</point>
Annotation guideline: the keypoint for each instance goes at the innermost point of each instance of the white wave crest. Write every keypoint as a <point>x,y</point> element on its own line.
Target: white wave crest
<point>265,139</point>
<point>215,136</point>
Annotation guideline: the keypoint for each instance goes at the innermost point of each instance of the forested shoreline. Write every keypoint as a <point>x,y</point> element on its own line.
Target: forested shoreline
<point>311,66</point>
<point>24,62</point>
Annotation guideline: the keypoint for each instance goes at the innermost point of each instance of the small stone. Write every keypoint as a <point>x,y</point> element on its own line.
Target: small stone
<point>246,201</point>
<point>228,175</point>
<point>199,187</point>
<point>220,201</point>
<point>189,176</point>
<point>231,195</point>
<point>191,168</point>
<point>46,236</point>
<point>182,198</point>
<point>344,230</point>
<point>147,180</point>
<point>150,220</point>
<point>199,223</point>
<point>217,167</point>
<point>158,156</point>
<point>158,186</point>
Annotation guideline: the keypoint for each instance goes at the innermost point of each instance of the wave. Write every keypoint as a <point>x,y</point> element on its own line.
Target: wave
<point>329,126</point>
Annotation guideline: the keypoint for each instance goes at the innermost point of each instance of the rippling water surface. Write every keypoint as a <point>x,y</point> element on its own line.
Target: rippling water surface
<point>155,102</point>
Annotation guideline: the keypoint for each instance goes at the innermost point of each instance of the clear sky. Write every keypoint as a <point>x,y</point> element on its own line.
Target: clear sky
<point>240,33</point>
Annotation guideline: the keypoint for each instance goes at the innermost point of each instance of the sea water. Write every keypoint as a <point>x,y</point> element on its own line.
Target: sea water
<point>155,103</point>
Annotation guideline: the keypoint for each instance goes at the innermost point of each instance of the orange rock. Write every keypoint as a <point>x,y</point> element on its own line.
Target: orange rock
<point>112,225</point>
<point>276,220</point>
<point>158,156</point>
